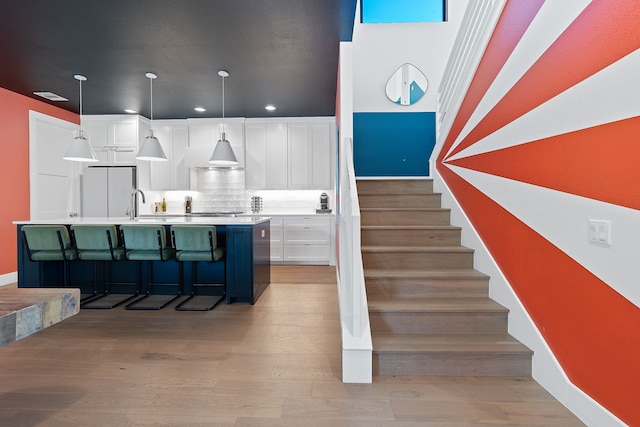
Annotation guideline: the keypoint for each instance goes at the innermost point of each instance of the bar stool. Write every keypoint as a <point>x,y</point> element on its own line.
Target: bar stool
<point>147,243</point>
<point>49,243</point>
<point>100,244</point>
<point>195,243</point>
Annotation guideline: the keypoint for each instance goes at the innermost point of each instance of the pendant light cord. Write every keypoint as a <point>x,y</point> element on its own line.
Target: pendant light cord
<point>151,86</point>
<point>80,81</point>
<point>223,105</point>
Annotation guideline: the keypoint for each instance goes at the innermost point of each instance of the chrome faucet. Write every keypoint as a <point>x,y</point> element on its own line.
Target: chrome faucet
<point>132,210</point>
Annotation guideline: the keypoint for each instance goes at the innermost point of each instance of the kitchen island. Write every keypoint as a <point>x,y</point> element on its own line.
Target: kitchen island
<point>246,267</point>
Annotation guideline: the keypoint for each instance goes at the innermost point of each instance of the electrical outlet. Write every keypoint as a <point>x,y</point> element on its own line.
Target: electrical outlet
<point>600,231</point>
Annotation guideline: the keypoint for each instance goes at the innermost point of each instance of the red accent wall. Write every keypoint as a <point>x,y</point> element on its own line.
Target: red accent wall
<point>14,166</point>
<point>591,329</point>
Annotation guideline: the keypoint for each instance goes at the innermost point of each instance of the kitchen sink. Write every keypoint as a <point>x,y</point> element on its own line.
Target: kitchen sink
<point>216,213</point>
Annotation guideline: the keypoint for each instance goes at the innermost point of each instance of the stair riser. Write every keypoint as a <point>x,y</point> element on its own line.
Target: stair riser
<point>409,237</point>
<point>395,187</point>
<point>400,217</point>
<point>467,364</point>
<point>389,288</point>
<point>438,323</point>
<point>417,260</point>
<point>399,200</point>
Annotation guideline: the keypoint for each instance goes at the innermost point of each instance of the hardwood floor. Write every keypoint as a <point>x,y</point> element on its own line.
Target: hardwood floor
<point>276,363</point>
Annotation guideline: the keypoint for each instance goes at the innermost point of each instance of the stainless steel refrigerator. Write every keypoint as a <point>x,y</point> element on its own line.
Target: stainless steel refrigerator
<point>106,190</point>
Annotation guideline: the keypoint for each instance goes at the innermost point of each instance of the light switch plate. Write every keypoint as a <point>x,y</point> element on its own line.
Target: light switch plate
<point>600,231</point>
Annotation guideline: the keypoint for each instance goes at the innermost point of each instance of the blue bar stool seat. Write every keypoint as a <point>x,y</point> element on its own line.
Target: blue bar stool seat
<point>100,244</point>
<point>197,243</point>
<point>49,243</point>
<point>148,243</point>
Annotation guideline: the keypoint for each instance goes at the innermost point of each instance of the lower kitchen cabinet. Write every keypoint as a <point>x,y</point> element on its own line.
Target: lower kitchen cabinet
<point>302,240</point>
<point>307,253</point>
<point>246,281</point>
<point>277,233</point>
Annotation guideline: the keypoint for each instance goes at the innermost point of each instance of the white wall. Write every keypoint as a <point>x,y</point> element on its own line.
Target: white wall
<point>380,49</point>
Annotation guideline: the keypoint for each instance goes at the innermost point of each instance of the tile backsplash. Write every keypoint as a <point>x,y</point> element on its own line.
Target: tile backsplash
<point>282,201</point>
<point>223,190</point>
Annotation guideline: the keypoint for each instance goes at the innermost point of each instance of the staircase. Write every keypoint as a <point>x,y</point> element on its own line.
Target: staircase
<point>429,310</point>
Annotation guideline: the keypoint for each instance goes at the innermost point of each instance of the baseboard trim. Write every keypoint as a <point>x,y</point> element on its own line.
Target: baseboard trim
<point>9,278</point>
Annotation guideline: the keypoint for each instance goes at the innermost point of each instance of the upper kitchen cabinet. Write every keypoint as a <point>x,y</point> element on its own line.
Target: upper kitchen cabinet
<point>115,138</point>
<point>289,154</point>
<point>266,156</point>
<point>309,156</point>
<point>174,138</point>
<point>205,133</point>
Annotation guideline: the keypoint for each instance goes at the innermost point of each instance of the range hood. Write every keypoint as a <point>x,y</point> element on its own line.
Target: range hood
<point>198,157</point>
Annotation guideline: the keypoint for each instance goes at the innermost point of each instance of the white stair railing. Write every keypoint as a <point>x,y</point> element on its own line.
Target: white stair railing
<point>354,313</point>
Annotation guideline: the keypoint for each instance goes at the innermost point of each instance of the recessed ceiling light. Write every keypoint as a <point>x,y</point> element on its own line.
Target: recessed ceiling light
<point>270,107</point>
<point>130,111</point>
<point>200,109</point>
<point>50,96</point>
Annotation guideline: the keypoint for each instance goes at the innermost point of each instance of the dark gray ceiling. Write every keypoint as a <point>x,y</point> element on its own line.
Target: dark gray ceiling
<point>281,52</point>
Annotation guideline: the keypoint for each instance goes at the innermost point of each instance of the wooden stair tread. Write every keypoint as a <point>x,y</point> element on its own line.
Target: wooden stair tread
<point>460,249</point>
<point>408,209</point>
<point>395,186</point>
<point>409,227</point>
<point>386,192</point>
<point>453,273</point>
<point>448,343</point>
<point>444,305</point>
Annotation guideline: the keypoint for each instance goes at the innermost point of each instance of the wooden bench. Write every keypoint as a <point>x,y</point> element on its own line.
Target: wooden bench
<point>25,311</point>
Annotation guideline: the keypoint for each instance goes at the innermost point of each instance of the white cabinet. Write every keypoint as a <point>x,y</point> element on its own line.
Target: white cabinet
<point>115,138</point>
<point>321,160</point>
<point>205,133</point>
<point>266,156</point>
<point>277,233</point>
<point>299,157</point>
<point>174,138</point>
<point>255,156</point>
<point>309,156</point>
<point>301,239</point>
<point>289,154</point>
<point>277,168</point>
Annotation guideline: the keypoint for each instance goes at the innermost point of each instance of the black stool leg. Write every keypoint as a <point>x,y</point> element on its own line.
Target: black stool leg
<point>152,306</point>
<point>213,299</point>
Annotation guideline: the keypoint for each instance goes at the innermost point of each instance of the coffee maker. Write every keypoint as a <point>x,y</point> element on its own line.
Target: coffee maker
<point>324,201</point>
<point>324,204</point>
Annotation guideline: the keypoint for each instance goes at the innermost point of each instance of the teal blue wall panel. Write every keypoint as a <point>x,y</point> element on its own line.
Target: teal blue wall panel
<point>399,11</point>
<point>393,144</point>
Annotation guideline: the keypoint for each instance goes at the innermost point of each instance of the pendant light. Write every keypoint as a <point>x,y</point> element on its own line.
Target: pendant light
<point>223,153</point>
<point>80,150</point>
<point>151,150</point>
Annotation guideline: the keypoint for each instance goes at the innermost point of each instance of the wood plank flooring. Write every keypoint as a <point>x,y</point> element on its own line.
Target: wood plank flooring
<point>277,363</point>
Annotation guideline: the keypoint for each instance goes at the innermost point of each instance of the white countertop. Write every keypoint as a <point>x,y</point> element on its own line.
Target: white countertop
<point>270,212</point>
<point>155,219</point>
<point>284,212</point>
